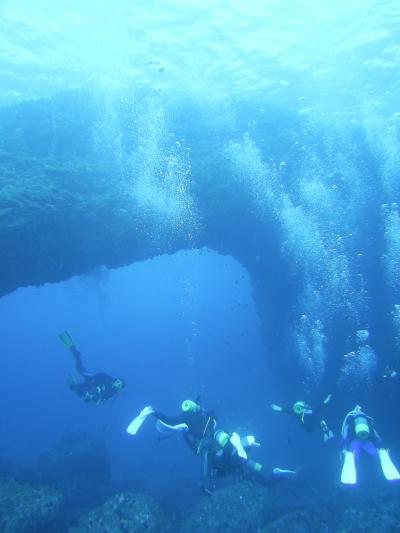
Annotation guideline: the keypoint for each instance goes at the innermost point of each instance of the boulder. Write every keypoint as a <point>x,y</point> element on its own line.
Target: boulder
<point>124,513</point>
<point>27,509</point>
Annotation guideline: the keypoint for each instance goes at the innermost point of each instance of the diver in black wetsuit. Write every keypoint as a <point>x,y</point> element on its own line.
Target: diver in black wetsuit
<point>200,422</point>
<point>96,387</point>
<point>196,424</point>
<point>232,458</point>
<point>308,416</point>
<point>199,434</point>
<point>221,453</point>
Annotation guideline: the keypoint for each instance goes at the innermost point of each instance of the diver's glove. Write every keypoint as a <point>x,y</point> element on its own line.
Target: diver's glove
<point>275,407</point>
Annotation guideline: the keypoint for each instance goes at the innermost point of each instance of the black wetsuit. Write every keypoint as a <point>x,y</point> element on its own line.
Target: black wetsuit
<point>310,419</point>
<point>96,387</point>
<point>199,437</point>
<point>226,462</point>
<point>201,426</point>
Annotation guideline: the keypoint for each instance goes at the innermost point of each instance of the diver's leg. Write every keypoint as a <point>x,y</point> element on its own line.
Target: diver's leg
<point>369,447</point>
<point>355,447</point>
<point>78,362</point>
<point>207,483</point>
<point>255,471</point>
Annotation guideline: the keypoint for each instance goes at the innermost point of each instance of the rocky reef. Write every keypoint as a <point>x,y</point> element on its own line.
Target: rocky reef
<point>382,517</point>
<point>248,507</point>
<point>28,509</point>
<point>79,468</point>
<point>90,180</point>
<point>302,506</point>
<point>233,509</point>
<point>124,513</point>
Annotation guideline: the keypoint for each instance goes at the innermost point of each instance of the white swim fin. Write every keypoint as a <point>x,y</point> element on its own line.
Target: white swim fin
<point>349,474</point>
<point>134,426</point>
<point>235,440</point>
<point>328,435</point>
<point>389,470</point>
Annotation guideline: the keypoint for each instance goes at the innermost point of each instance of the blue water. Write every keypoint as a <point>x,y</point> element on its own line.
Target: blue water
<point>158,324</point>
<point>207,198</point>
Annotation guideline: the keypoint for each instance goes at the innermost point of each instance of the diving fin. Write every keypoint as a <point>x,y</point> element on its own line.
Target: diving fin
<point>66,339</point>
<point>235,440</point>
<point>328,435</point>
<point>389,470</point>
<point>327,399</point>
<point>134,426</point>
<point>349,474</point>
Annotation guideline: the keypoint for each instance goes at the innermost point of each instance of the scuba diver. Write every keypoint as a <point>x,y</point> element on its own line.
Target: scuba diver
<point>196,424</point>
<point>229,455</point>
<point>308,416</point>
<point>389,372</point>
<point>221,453</point>
<point>96,387</point>
<point>359,434</point>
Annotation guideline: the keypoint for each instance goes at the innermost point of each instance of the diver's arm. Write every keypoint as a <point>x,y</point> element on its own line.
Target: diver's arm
<point>256,472</point>
<point>279,409</point>
<point>170,420</point>
<point>377,440</point>
<point>318,410</point>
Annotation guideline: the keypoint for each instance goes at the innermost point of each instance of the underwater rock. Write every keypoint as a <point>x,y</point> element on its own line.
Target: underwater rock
<point>71,200</point>
<point>27,509</point>
<point>124,513</point>
<point>79,466</point>
<point>297,522</point>
<point>364,517</point>
<point>89,180</point>
<point>235,509</point>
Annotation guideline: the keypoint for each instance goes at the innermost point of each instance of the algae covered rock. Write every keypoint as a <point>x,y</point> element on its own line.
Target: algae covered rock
<point>124,513</point>
<point>235,509</point>
<point>26,509</point>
